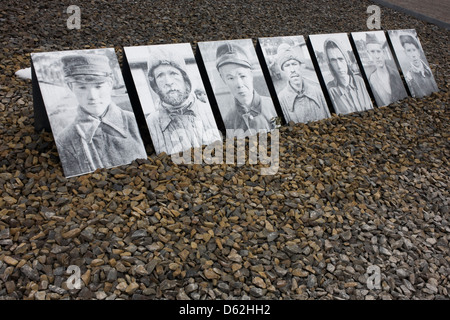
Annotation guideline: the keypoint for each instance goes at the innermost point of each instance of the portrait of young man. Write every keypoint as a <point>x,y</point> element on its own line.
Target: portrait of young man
<point>295,80</point>
<point>99,134</point>
<point>346,88</point>
<point>179,116</point>
<point>416,70</point>
<point>244,110</point>
<point>379,67</point>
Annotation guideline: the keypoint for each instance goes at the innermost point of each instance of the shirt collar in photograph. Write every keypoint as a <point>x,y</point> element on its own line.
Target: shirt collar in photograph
<point>170,112</point>
<point>424,70</point>
<point>255,106</point>
<point>344,89</point>
<point>87,124</point>
<point>306,91</point>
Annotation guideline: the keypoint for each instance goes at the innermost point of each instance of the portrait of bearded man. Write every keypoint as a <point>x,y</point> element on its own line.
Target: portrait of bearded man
<point>181,120</point>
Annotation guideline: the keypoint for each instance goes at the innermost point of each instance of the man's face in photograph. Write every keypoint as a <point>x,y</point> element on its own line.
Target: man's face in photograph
<point>239,80</point>
<point>93,97</point>
<point>376,54</point>
<point>293,70</point>
<point>338,62</point>
<point>412,53</point>
<point>171,84</point>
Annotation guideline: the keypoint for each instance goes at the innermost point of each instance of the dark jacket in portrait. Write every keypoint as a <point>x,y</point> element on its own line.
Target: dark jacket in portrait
<point>90,143</point>
<point>420,81</point>
<point>349,99</point>
<point>259,117</point>
<point>307,105</point>
<point>385,96</point>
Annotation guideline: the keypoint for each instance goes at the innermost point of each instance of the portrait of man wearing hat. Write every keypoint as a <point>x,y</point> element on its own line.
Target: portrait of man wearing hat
<point>301,99</point>
<point>251,113</point>
<point>102,134</point>
<point>418,75</point>
<point>385,81</point>
<point>347,90</point>
<point>181,120</point>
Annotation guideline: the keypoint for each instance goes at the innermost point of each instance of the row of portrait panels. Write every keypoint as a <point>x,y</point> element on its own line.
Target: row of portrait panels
<point>96,111</point>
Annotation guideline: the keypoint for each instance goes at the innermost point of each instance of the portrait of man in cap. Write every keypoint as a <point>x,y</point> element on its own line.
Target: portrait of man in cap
<point>379,66</point>
<point>347,90</point>
<point>418,75</point>
<point>100,134</point>
<point>413,63</point>
<point>301,99</point>
<point>245,112</point>
<point>179,119</point>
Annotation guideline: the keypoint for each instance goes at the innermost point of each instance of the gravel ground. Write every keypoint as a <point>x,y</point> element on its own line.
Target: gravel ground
<point>354,193</point>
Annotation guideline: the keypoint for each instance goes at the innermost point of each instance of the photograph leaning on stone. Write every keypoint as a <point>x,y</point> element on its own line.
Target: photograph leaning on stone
<point>357,208</point>
<point>89,110</point>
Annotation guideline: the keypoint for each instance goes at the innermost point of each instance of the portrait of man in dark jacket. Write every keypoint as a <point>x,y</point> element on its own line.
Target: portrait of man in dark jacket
<point>418,76</point>
<point>102,135</point>
<point>251,112</point>
<point>301,99</point>
<point>385,81</point>
<point>379,67</point>
<point>413,62</point>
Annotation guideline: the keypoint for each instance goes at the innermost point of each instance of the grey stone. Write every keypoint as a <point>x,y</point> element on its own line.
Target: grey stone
<point>311,281</point>
<point>256,292</point>
<point>346,235</point>
<point>29,272</point>
<point>139,234</point>
<point>191,287</point>
<point>87,234</point>
<point>56,289</point>
<point>402,273</point>
<point>385,251</point>
<point>112,275</point>
<point>272,236</point>
<point>168,284</point>
<point>294,249</point>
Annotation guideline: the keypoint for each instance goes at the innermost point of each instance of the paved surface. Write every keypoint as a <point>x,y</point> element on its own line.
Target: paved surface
<point>433,11</point>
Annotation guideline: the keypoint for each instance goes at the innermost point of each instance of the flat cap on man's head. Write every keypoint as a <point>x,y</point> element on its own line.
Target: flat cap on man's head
<point>286,52</point>
<point>406,38</point>
<point>86,67</point>
<point>231,53</point>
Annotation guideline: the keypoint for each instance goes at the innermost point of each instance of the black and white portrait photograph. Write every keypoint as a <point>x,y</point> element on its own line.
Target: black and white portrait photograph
<point>239,86</point>
<point>379,67</point>
<point>413,63</point>
<point>294,78</point>
<point>89,110</point>
<point>341,74</point>
<point>172,96</point>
